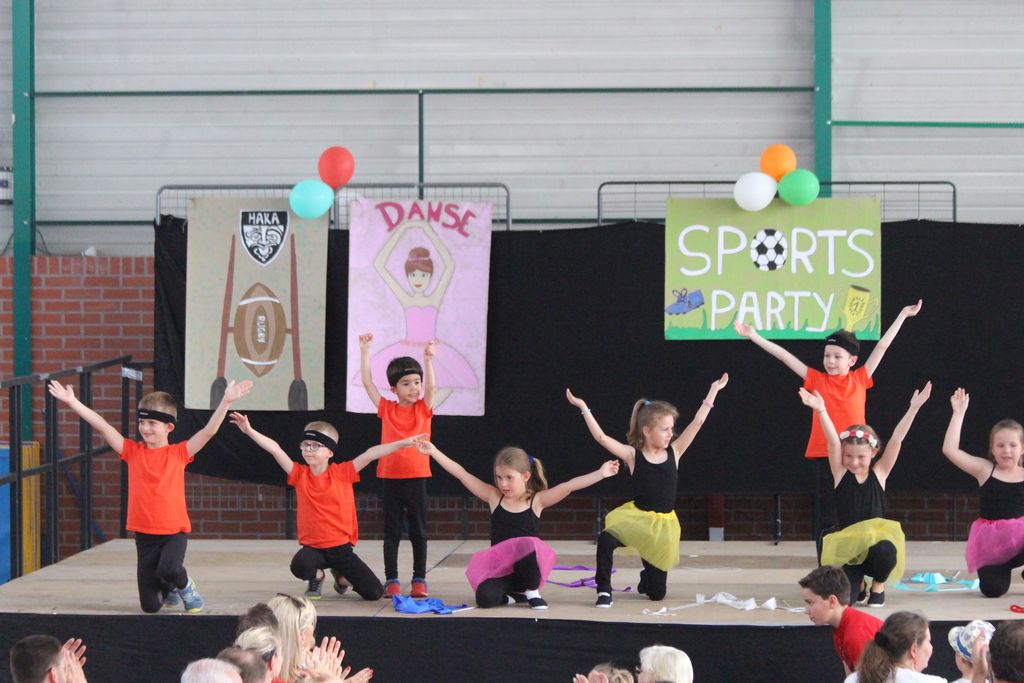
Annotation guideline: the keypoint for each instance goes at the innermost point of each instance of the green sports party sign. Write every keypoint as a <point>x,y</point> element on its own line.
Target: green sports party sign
<point>791,272</point>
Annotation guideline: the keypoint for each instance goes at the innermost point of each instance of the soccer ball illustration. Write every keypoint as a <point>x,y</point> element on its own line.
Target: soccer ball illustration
<point>768,250</point>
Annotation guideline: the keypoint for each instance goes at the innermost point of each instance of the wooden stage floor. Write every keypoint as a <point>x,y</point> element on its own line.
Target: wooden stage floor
<point>234,574</point>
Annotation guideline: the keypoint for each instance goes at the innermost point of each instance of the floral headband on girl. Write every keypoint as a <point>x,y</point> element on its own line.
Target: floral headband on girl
<point>859,434</point>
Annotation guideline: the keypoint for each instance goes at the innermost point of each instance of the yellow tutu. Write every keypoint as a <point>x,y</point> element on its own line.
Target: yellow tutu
<point>851,545</point>
<point>654,535</point>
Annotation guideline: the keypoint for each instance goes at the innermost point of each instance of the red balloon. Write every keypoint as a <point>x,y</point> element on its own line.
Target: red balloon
<point>336,166</point>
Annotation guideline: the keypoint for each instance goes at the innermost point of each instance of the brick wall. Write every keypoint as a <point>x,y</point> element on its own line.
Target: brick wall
<point>87,310</point>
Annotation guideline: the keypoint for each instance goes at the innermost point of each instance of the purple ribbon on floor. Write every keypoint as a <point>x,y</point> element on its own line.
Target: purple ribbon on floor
<point>588,582</point>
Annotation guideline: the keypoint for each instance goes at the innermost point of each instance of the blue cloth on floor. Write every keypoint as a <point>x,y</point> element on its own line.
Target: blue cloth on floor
<point>408,605</point>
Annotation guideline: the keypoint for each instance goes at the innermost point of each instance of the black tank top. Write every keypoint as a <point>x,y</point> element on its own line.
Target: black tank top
<point>1001,499</point>
<point>654,485</point>
<point>506,525</point>
<point>856,502</point>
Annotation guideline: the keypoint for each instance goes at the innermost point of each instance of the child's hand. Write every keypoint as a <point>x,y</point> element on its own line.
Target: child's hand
<point>959,401</point>
<point>610,468</point>
<point>425,447</point>
<point>720,383</point>
<point>578,402</point>
<point>415,440</point>
<point>743,329</point>
<point>920,397</point>
<point>912,310</point>
<point>241,421</point>
<point>62,392</point>
<point>365,340</point>
<point>430,351</point>
<point>813,401</point>
<point>235,391</point>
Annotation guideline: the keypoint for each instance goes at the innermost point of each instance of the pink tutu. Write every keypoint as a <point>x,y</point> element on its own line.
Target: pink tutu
<point>499,560</point>
<point>451,369</point>
<point>994,542</point>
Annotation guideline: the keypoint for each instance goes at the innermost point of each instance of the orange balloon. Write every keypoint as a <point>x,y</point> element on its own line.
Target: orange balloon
<point>777,160</point>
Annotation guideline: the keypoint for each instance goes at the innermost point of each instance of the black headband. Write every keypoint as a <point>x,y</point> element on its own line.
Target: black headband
<point>322,439</point>
<point>411,367</point>
<point>146,414</point>
<point>851,346</point>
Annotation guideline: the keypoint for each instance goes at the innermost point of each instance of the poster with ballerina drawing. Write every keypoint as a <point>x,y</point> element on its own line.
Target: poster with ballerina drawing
<point>418,273</point>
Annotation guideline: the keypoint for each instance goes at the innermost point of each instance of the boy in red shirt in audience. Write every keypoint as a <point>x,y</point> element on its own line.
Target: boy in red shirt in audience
<point>326,507</point>
<point>156,489</point>
<point>826,592</point>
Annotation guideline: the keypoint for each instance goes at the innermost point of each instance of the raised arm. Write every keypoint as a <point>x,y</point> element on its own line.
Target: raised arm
<point>979,468</point>
<point>65,394</point>
<point>620,450</point>
<point>871,364</point>
<point>377,452</point>
<point>232,393</point>
<point>556,494</point>
<point>686,437</point>
<point>263,441</point>
<point>365,372</point>
<point>835,449</point>
<point>380,264</point>
<point>892,449</point>
<point>429,380</point>
<point>482,490</point>
<point>788,359</point>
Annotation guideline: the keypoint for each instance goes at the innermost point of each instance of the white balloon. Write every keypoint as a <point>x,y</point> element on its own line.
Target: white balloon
<point>754,191</point>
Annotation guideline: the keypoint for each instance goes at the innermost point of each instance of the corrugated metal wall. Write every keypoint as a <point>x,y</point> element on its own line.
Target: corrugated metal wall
<point>101,157</point>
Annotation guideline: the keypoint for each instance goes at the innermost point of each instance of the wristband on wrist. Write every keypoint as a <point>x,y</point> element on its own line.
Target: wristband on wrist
<point>708,403</point>
<point>584,411</point>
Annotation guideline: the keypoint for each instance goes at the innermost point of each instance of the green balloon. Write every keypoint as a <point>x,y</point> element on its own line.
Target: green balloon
<point>799,187</point>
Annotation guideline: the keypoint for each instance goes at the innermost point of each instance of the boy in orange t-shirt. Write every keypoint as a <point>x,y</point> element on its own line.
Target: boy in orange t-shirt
<point>326,507</point>
<point>845,394</point>
<point>156,490</point>
<point>403,474</point>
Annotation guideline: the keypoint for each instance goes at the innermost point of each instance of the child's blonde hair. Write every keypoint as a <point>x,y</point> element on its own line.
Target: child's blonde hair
<point>1000,426</point>
<point>325,428</point>
<point>646,413</point>
<point>664,663</point>
<point>522,462</point>
<point>615,674</point>
<point>294,615</point>
<point>161,401</point>
<point>861,435</point>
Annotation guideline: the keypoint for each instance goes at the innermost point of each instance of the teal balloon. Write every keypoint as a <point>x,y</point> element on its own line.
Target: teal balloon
<point>311,198</point>
<point>799,187</point>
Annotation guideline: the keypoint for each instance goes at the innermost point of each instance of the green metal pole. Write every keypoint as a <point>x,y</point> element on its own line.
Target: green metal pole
<point>24,181</point>
<point>823,93</point>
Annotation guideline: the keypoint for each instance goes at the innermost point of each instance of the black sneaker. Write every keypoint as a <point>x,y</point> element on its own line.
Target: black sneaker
<point>603,600</point>
<point>641,587</point>
<point>516,598</point>
<point>862,597</point>
<point>538,603</point>
<point>341,585</point>
<point>876,599</point>
<point>313,591</point>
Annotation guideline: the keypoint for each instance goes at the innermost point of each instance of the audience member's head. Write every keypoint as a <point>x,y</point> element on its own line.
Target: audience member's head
<point>296,624</point>
<point>258,615</point>
<point>211,671</point>
<point>612,673</point>
<point>826,593</point>
<point>250,666</point>
<point>264,642</point>
<point>1007,652</point>
<point>903,642</point>
<point>662,663</point>
<point>35,659</point>
<point>963,639</point>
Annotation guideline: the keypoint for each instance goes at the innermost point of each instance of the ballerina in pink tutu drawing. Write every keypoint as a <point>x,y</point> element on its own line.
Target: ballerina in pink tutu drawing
<point>421,303</point>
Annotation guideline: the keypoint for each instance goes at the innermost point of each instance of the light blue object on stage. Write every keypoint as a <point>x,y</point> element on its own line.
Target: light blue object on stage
<point>407,605</point>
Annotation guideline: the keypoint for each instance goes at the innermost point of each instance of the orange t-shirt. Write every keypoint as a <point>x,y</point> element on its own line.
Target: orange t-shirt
<point>326,505</point>
<point>401,422</point>
<point>845,396</point>
<point>156,487</point>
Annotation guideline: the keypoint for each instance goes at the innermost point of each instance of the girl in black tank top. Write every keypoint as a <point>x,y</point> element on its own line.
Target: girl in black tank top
<point>995,545</point>
<point>865,543</point>
<point>648,523</point>
<point>518,563</point>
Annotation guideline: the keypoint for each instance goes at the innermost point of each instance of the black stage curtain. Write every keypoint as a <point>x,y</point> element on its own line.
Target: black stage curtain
<point>583,309</point>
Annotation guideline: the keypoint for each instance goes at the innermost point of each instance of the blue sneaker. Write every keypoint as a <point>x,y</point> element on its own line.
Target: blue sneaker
<point>191,597</point>
<point>171,598</point>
